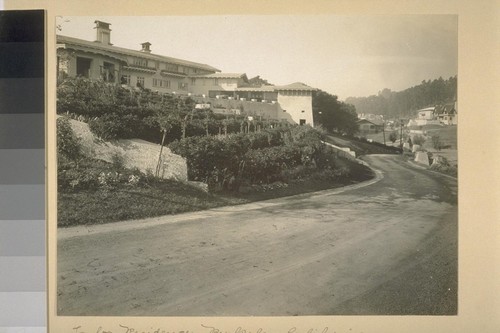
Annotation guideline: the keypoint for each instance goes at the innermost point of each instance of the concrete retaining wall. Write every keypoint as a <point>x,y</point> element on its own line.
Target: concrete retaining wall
<point>421,157</point>
<point>343,151</point>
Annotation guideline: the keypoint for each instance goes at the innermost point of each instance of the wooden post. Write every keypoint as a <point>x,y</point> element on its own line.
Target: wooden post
<point>158,165</point>
<point>383,130</point>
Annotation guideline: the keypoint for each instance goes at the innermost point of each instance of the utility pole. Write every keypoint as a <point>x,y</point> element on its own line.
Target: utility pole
<point>383,130</point>
<point>401,134</point>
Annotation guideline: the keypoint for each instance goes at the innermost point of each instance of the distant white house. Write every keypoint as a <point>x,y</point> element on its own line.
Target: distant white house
<point>426,114</point>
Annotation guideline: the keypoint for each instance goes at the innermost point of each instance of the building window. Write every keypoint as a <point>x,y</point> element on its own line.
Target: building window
<point>141,62</point>
<point>156,82</point>
<point>140,82</point>
<point>108,72</point>
<point>172,68</point>
<point>125,80</point>
<point>83,66</point>
<point>167,84</point>
<point>193,81</point>
<point>216,82</point>
<point>302,122</point>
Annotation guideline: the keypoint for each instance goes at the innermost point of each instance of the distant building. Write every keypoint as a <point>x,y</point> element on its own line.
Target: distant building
<point>371,116</point>
<point>102,60</point>
<point>370,126</point>
<point>435,115</point>
<point>426,114</point>
<point>447,114</point>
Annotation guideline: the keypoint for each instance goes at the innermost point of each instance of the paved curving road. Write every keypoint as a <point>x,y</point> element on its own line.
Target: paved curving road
<point>388,246</point>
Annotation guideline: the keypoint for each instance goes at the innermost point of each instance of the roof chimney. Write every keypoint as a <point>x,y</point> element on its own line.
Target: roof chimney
<point>146,47</point>
<point>103,32</point>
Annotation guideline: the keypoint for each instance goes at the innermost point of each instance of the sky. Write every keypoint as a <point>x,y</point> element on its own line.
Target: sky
<point>347,56</point>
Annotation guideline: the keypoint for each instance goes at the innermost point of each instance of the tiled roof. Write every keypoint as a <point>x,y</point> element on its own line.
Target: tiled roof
<point>445,109</point>
<point>270,88</point>
<point>128,52</point>
<point>221,76</point>
<point>259,89</point>
<point>377,122</point>
<point>431,108</point>
<point>295,86</point>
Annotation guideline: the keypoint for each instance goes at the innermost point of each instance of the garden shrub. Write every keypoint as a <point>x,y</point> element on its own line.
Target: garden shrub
<point>418,140</point>
<point>204,155</point>
<point>93,174</point>
<point>69,147</point>
<point>436,142</point>
<point>445,167</point>
<point>265,165</point>
<point>393,136</point>
<point>118,160</point>
<point>265,138</point>
<point>259,157</point>
<point>77,179</point>
<point>113,126</point>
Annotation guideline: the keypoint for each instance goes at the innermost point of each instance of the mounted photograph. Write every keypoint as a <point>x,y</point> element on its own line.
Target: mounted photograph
<point>257,165</point>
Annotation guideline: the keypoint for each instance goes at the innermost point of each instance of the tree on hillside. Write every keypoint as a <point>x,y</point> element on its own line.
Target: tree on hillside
<point>172,111</point>
<point>186,113</point>
<point>168,113</point>
<point>334,115</point>
<point>405,103</point>
<point>258,81</point>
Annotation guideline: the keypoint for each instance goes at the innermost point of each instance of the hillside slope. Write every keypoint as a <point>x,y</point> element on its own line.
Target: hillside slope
<point>135,153</point>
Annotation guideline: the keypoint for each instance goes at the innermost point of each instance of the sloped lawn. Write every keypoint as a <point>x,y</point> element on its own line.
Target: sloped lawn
<point>151,197</point>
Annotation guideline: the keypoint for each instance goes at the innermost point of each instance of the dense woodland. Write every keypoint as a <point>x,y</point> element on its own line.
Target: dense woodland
<point>404,103</point>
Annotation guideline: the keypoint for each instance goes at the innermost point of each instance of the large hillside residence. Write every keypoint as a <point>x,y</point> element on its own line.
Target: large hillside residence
<point>142,69</point>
